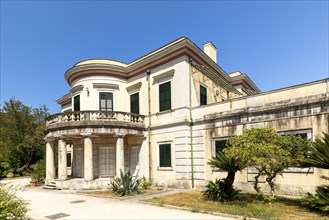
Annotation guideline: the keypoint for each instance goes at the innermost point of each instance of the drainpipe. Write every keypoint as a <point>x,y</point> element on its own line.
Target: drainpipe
<point>191,120</point>
<point>149,124</point>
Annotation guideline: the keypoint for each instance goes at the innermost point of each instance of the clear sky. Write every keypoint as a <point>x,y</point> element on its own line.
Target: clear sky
<point>277,43</point>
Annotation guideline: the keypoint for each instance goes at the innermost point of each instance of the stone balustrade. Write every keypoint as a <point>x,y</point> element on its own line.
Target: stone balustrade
<point>94,117</point>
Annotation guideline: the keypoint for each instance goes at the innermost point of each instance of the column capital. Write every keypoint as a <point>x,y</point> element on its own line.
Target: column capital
<point>86,134</point>
<point>119,135</point>
<point>49,140</point>
<point>61,137</point>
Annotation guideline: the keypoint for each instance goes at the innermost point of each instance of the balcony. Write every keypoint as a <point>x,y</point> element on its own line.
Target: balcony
<point>94,119</point>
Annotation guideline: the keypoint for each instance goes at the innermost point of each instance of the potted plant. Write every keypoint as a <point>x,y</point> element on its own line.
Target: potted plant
<point>33,182</point>
<point>38,173</point>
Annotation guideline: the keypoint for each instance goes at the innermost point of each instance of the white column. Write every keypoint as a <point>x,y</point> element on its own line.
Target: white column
<point>88,157</point>
<point>62,163</point>
<point>144,157</point>
<point>50,165</point>
<point>119,155</point>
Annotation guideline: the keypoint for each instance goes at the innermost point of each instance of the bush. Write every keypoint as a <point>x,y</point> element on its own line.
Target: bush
<point>4,169</point>
<point>319,201</point>
<point>39,171</point>
<point>11,206</point>
<point>220,191</point>
<point>145,183</point>
<point>125,184</point>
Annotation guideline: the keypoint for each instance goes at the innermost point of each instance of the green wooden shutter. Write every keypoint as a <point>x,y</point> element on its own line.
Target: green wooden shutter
<point>203,95</point>
<point>165,96</point>
<point>76,105</point>
<point>165,155</point>
<point>68,160</point>
<point>134,103</point>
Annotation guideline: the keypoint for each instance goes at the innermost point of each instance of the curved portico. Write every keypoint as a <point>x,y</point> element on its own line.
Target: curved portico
<point>102,143</point>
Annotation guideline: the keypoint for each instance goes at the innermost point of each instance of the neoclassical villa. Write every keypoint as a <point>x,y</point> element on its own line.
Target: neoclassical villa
<point>166,114</point>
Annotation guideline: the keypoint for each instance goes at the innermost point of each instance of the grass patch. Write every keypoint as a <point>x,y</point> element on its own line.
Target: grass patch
<point>247,205</point>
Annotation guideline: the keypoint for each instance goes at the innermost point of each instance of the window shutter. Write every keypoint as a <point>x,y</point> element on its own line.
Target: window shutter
<point>76,105</point>
<point>203,95</point>
<point>165,96</point>
<point>134,103</point>
<point>165,155</point>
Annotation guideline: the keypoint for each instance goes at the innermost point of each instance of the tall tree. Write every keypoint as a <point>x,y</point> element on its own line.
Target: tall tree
<point>22,133</point>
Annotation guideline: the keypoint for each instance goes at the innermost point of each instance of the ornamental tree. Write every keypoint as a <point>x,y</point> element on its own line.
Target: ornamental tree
<point>266,151</point>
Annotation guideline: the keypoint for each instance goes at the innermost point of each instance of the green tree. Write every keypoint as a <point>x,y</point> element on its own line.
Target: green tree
<point>22,133</point>
<point>266,151</point>
<point>319,157</point>
<point>319,153</point>
<point>230,165</point>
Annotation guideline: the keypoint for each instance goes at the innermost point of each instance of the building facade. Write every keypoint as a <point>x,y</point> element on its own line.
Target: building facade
<point>166,114</point>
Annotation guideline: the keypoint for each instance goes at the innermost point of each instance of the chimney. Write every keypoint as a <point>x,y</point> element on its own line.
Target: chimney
<point>210,50</point>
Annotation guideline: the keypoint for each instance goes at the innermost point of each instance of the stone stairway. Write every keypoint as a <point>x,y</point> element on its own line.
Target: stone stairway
<point>51,185</point>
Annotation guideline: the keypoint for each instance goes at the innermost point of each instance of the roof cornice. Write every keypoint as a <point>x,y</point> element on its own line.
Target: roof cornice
<point>178,48</point>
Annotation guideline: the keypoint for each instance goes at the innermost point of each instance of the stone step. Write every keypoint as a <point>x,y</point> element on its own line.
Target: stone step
<point>49,187</point>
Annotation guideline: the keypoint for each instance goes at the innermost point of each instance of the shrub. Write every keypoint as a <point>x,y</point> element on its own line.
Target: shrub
<point>319,201</point>
<point>220,191</point>
<point>39,171</point>
<point>125,184</point>
<point>4,169</point>
<point>11,206</point>
<point>145,183</point>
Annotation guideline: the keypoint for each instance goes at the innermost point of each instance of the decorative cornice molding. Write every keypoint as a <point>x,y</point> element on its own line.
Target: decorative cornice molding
<point>134,88</point>
<point>165,75</point>
<point>76,89</point>
<point>106,86</point>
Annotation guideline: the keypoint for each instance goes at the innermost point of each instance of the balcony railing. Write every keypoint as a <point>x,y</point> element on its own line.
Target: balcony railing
<point>94,117</point>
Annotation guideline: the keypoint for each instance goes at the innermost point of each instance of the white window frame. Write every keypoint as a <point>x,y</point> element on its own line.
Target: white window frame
<point>172,156</point>
<point>309,133</point>
<point>213,150</point>
<point>171,95</point>
<point>213,145</point>
<point>107,91</point>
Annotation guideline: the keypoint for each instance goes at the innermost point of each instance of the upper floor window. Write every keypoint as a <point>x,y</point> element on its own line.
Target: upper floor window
<point>134,103</point>
<point>105,101</point>
<point>203,95</point>
<point>76,103</point>
<point>165,96</point>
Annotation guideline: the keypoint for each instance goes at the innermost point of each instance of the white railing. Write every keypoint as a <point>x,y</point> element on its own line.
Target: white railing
<point>94,116</point>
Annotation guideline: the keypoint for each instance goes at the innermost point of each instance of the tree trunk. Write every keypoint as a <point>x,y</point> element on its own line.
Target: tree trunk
<point>230,178</point>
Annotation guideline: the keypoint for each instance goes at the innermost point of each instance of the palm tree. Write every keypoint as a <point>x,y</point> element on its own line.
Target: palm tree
<point>319,153</point>
<point>229,165</point>
<point>319,157</point>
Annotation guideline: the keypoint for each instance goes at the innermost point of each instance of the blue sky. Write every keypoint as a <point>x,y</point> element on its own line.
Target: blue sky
<point>277,43</point>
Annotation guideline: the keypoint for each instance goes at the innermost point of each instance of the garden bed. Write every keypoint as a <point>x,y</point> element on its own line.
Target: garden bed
<point>246,205</point>
<point>109,194</point>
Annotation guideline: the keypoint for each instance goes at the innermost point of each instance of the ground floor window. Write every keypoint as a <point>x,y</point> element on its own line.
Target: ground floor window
<point>218,145</point>
<point>165,155</point>
<point>305,134</point>
<point>69,159</point>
